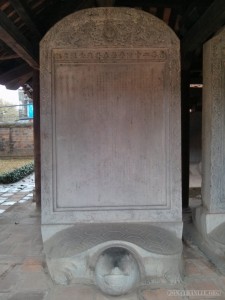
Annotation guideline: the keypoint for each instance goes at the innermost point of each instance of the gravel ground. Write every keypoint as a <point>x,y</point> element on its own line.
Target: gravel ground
<point>7,165</point>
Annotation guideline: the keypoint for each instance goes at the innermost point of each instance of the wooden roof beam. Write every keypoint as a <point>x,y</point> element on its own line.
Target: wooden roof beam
<point>19,81</point>
<point>5,48</point>
<point>14,39</point>
<point>151,3</point>
<point>54,13</point>
<point>25,14</point>
<point>192,14</point>
<point>208,24</point>
<point>8,57</point>
<point>14,73</point>
<point>105,3</point>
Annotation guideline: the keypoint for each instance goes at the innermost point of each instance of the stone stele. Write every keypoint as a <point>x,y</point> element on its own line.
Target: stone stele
<point>210,217</point>
<point>110,138</point>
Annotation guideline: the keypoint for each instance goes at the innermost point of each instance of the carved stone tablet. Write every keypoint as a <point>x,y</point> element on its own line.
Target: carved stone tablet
<point>213,189</point>
<point>111,176</point>
<point>110,119</point>
<point>210,217</point>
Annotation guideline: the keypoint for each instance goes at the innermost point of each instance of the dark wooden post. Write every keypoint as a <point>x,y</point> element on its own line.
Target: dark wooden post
<point>37,148</point>
<point>185,93</point>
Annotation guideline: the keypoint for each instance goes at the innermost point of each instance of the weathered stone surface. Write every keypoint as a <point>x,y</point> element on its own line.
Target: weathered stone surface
<point>72,292</point>
<point>132,296</point>
<point>213,165</point>
<point>110,119</point>
<point>28,296</point>
<point>111,149</point>
<point>9,279</point>
<point>23,238</point>
<point>210,218</point>
<point>83,237</point>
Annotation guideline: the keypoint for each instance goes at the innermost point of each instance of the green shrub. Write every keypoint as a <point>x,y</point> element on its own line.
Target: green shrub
<point>17,174</point>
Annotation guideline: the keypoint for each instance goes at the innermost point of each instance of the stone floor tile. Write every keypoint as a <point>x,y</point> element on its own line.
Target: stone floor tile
<point>133,296</point>
<point>201,284</point>
<point>4,268</point>
<point>9,203</point>
<point>22,196</point>
<point>9,280</point>
<point>27,198</point>
<point>4,188</point>
<point>191,268</point>
<point>32,264</point>
<point>4,207</point>
<point>28,296</point>
<point>206,267</point>
<point>4,296</point>
<point>199,267</point>
<point>74,292</point>
<point>22,201</point>
<point>20,239</point>
<point>16,196</point>
<point>222,281</point>
<point>11,260</point>
<point>33,278</point>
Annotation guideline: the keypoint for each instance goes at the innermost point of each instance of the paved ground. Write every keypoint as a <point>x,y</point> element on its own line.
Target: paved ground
<point>24,275</point>
<point>20,192</point>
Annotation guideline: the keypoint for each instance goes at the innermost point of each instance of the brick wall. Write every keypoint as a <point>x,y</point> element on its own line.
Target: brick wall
<point>16,140</point>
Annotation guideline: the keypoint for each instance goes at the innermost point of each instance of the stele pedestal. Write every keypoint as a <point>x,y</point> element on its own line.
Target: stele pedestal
<point>110,142</point>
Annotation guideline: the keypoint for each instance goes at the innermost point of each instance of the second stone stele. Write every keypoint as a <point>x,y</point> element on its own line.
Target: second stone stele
<point>111,165</point>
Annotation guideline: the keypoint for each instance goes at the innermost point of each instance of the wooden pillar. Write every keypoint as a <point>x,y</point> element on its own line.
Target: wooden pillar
<point>37,148</point>
<point>185,143</point>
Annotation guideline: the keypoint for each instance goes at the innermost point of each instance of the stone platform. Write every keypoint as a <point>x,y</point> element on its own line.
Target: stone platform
<point>115,257</point>
<point>25,276</point>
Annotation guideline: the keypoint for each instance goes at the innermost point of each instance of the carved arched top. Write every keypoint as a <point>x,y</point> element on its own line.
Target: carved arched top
<point>110,27</point>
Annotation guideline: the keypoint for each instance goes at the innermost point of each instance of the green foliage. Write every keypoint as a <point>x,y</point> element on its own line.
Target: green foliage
<point>17,174</point>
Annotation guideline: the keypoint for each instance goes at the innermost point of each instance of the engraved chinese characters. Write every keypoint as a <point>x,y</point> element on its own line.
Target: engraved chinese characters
<point>108,122</point>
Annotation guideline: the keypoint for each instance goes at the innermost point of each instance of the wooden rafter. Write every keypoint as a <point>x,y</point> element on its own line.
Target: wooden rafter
<point>205,27</point>
<point>166,15</point>
<point>105,3</point>
<point>173,19</point>
<point>14,73</point>
<point>55,12</point>
<point>8,57</point>
<point>14,39</point>
<point>14,84</point>
<point>6,48</point>
<point>150,3</point>
<point>25,14</point>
